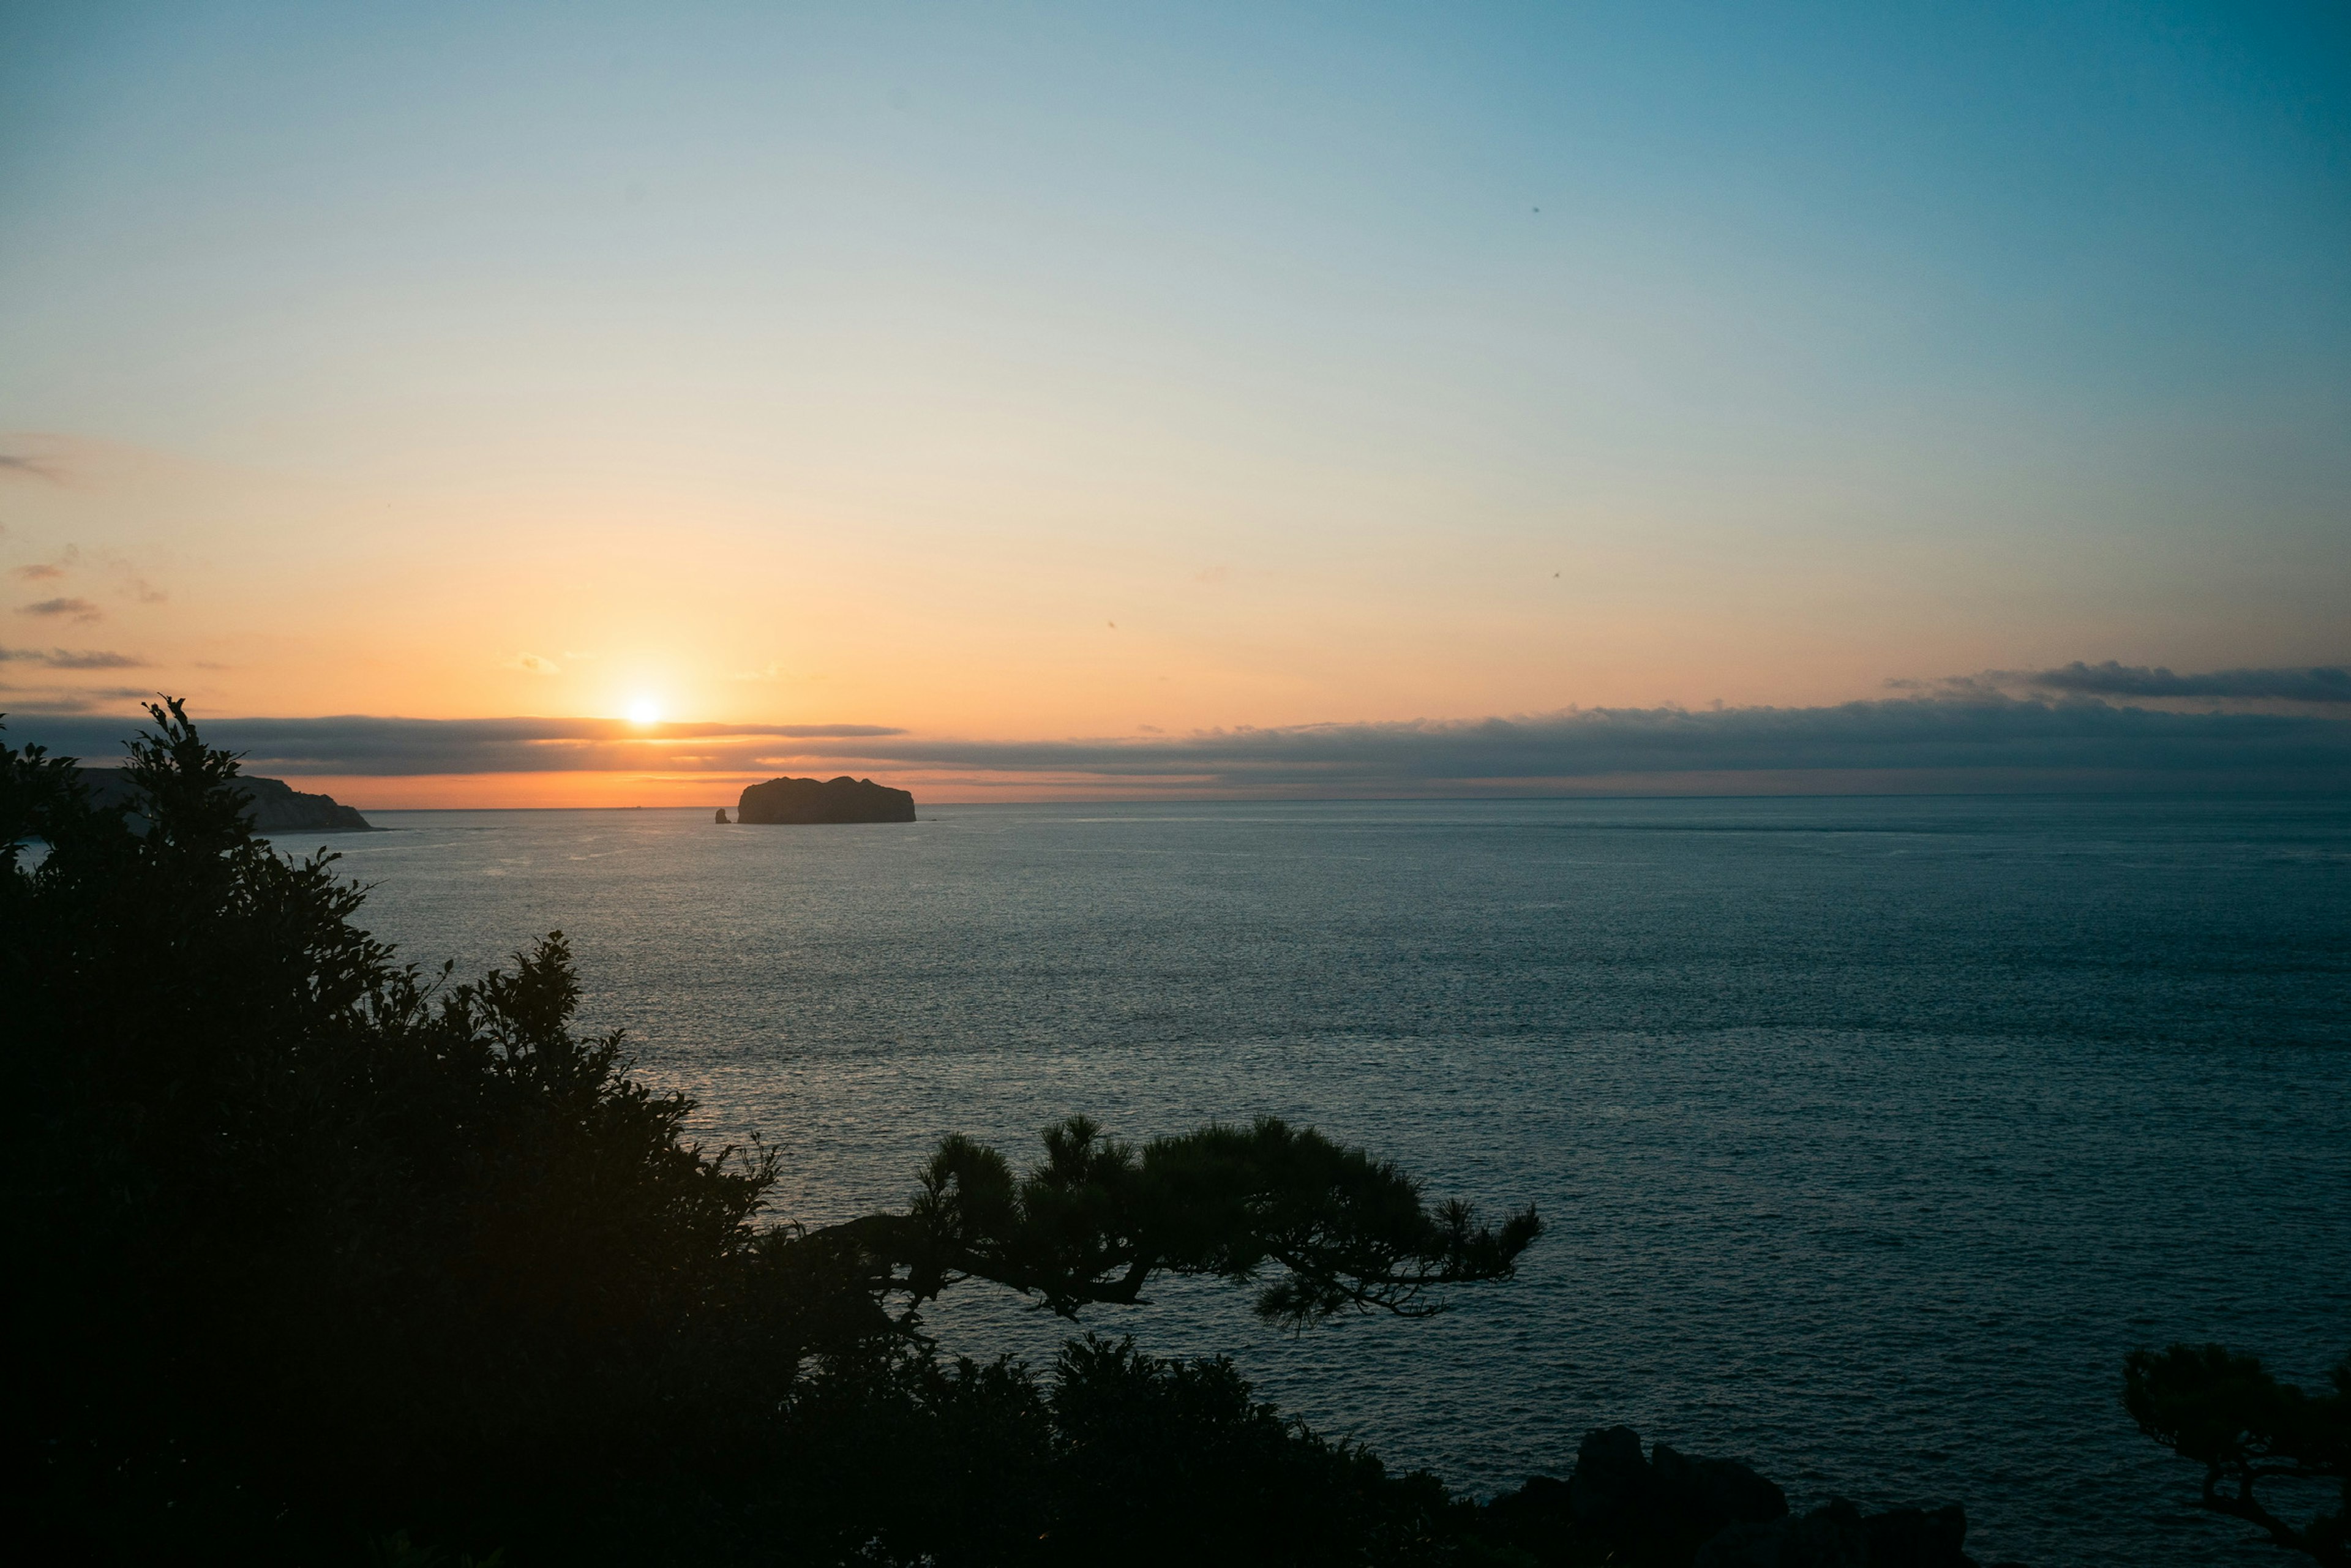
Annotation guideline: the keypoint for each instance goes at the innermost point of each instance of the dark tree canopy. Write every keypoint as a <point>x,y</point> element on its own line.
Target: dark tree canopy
<point>2231,1414</point>
<point>314,1247</point>
<point>1098,1219</point>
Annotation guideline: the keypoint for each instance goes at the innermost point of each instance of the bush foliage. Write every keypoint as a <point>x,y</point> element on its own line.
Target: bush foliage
<point>2231,1414</point>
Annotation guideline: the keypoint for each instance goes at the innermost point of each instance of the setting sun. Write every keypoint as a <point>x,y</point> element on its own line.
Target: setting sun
<point>644,710</point>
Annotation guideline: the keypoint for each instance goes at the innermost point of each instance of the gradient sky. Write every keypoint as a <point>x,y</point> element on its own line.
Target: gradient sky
<point>1027,375</point>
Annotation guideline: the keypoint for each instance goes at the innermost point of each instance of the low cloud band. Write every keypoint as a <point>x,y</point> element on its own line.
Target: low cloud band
<point>2073,742</point>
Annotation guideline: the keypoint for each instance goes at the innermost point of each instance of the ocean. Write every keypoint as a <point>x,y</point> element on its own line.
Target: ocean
<point>1870,1132</point>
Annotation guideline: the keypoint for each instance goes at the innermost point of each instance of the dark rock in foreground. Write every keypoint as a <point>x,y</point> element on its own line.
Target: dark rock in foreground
<point>722,816</point>
<point>274,805</point>
<point>1836,1535</point>
<point>1619,1505</point>
<point>842,800</point>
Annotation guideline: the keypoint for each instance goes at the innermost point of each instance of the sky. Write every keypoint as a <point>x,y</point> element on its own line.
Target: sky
<point>513,404</point>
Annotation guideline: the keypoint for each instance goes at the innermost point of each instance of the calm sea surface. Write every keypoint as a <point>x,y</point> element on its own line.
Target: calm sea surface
<point>1870,1132</point>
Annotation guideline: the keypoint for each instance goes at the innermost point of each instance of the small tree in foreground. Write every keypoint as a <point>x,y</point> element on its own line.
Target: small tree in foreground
<point>2229,1414</point>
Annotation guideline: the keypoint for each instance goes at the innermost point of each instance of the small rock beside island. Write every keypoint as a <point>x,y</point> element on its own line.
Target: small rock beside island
<point>841,800</point>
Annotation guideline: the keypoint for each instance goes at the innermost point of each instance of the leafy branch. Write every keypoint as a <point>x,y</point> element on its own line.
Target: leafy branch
<point>2229,1414</point>
<point>1319,1227</point>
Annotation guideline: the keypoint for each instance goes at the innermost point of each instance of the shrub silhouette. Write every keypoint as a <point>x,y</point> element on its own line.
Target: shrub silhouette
<point>1097,1220</point>
<point>2228,1412</point>
<point>324,1258</point>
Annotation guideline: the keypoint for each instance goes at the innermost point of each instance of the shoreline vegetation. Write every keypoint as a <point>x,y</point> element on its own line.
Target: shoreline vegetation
<point>325,1257</point>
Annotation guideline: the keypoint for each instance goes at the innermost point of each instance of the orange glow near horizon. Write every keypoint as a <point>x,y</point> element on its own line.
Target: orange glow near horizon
<point>946,618</point>
<point>513,791</point>
<point>939,611</point>
<point>701,791</point>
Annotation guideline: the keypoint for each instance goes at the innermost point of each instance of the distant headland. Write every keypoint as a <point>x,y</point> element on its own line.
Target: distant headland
<point>841,800</point>
<point>274,805</point>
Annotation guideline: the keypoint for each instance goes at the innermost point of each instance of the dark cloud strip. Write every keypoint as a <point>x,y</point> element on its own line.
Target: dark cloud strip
<point>70,659</point>
<point>10,462</point>
<point>79,609</point>
<point>2321,684</point>
<point>2074,743</point>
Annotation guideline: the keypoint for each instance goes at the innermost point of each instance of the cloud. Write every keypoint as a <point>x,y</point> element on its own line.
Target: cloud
<point>10,464</point>
<point>535,664</point>
<point>1904,743</point>
<point>2321,684</point>
<point>1939,736</point>
<point>64,659</point>
<point>53,703</point>
<point>79,609</point>
<point>37,571</point>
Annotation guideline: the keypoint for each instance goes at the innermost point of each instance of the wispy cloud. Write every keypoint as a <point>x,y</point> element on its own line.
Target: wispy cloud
<point>1946,742</point>
<point>68,659</point>
<point>78,608</point>
<point>53,704</point>
<point>2319,684</point>
<point>535,663</point>
<point>30,468</point>
<point>37,571</point>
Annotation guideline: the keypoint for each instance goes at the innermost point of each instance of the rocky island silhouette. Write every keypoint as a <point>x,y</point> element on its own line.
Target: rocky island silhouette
<point>807,800</point>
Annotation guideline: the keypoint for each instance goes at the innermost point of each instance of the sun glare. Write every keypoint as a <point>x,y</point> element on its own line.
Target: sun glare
<point>644,710</point>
